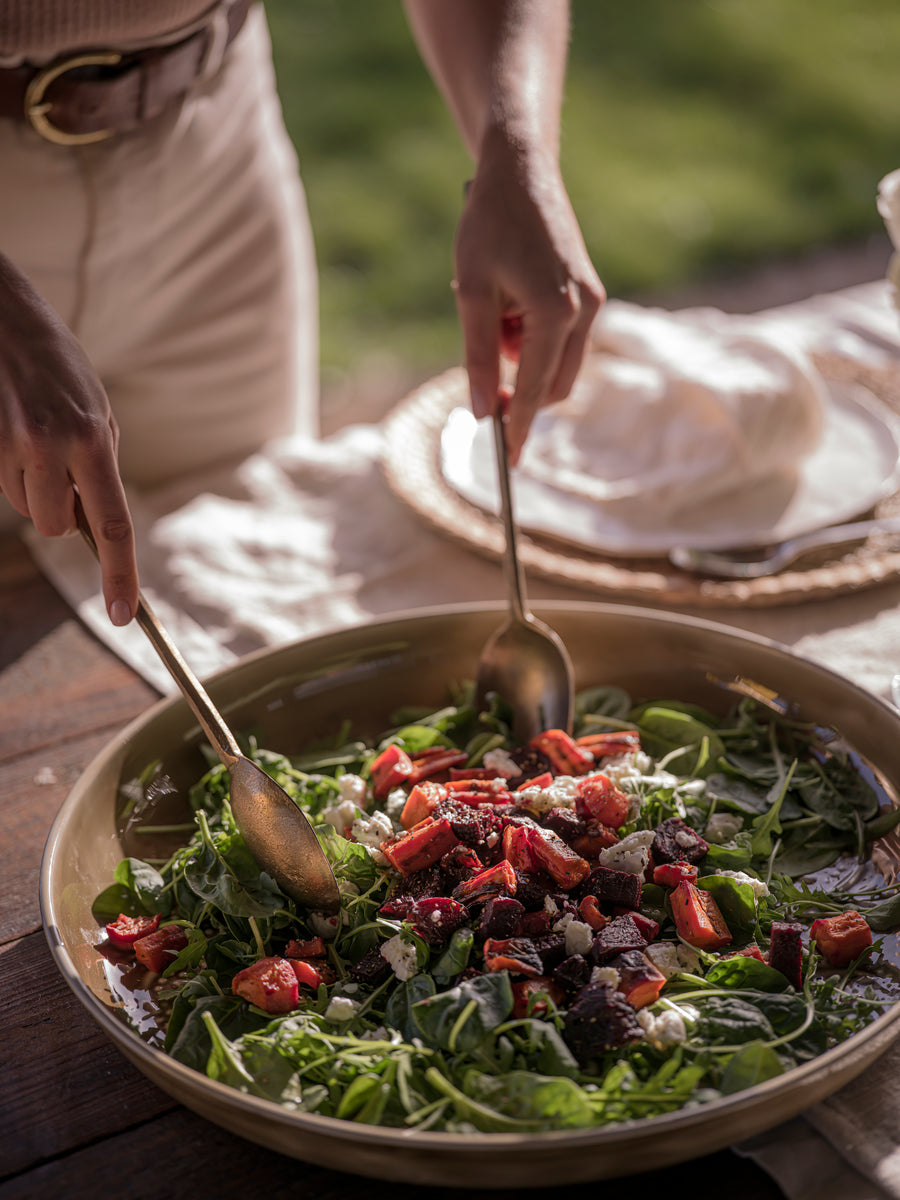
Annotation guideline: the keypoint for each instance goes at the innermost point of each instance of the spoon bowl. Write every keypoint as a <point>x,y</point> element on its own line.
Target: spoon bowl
<point>277,833</point>
<point>524,661</point>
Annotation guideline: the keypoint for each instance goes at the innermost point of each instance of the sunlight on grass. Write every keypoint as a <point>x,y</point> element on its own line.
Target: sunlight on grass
<point>698,137</point>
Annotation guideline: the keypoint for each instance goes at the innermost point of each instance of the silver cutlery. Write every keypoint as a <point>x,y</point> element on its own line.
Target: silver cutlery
<point>733,564</point>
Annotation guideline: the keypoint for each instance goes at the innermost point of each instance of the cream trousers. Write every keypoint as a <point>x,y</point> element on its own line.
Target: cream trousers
<point>182,258</point>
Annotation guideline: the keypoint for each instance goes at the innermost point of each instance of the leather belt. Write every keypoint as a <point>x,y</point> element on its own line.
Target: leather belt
<point>95,94</point>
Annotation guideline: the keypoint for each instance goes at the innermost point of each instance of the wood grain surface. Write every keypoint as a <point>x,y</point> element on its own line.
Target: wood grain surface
<point>77,1120</point>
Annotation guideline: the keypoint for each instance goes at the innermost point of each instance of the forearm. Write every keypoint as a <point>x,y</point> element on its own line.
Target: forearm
<point>500,65</point>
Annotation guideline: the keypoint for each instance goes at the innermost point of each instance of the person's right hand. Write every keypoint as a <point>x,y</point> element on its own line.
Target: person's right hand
<point>56,431</point>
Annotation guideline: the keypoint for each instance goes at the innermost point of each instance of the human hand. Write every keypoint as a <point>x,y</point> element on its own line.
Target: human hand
<point>56,431</point>
<point>525,286</point>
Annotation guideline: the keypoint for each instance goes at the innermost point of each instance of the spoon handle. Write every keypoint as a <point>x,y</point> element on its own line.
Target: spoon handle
<point>515,576</point>
<point>211,721</point>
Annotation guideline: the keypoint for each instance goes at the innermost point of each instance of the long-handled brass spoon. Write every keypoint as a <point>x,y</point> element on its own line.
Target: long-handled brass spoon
<point>524,661</point>
<point>277,834</point>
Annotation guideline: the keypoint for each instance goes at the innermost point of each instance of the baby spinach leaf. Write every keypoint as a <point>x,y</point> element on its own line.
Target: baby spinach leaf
<point>729,1020</point>
<point>665,729</point>
<point>460,1019</point>
<point>605,701</point>
<point>143,880</point>
<point>734,898</point>
<point>455,957</point>
<point>753,1063</point>
<point>740,971</point>
<point>349,861</point>
<point>408,992</point>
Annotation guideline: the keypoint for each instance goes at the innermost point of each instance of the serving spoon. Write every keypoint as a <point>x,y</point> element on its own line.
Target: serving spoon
<point>278,835</point>
<point>524,661</point>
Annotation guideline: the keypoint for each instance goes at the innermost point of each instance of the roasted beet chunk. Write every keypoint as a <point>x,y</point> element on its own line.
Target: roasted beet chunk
<point>572,973</point>
<point>479,828</point>
<point>458,864</point>
<point>621,934</point>
<point>552,950</point>
<point>531,763</point>
<point>371,970</point>
<point>677,842</point>
<point>599,1019</point>
<point>533,888</point>
<point>619,888</point>
<point>564,822</point>
<point>427,882</point>
<point>434,918</point>
<point>786,952</point>
<point>516,955</point>
<point>500,918</point>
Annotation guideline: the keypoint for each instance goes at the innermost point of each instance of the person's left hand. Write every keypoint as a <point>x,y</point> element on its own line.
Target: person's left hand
<point>525,287</point>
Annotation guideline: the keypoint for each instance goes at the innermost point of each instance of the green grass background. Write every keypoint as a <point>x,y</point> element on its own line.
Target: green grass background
<point>700,137</point>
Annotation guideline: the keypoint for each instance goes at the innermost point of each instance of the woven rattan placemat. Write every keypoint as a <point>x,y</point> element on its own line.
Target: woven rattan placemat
<point>412,466</point>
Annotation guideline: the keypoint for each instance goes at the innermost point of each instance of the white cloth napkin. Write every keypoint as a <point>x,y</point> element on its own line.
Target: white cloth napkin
<point>307,536</point>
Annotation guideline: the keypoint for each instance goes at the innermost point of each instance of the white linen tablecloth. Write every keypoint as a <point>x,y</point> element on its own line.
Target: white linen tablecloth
<point>307,537</point>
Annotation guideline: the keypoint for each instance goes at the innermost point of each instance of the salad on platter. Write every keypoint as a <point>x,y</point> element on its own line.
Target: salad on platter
<point>663,908</point>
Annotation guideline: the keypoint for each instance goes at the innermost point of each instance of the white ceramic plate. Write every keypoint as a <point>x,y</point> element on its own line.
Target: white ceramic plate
<point>854,466</point>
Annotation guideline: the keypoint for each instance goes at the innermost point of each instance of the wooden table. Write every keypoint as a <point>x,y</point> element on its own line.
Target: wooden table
<point>77,1120</point>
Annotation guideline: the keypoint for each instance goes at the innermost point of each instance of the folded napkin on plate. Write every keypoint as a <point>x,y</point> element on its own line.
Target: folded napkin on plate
<point>678,410</point>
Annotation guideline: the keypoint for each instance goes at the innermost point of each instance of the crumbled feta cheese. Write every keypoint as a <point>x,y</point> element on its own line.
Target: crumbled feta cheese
<point>606,975</point>
<point>662,1030</point>
<point>502,761</point>
<point>395,803</point>
<point>664,956</point>
<point>759,888</point>
<point>339,816</point>
<point>353,788</point>
<point>326,925</point>
<point>685,839</point>
<point>371,832</point>
<point>561,793</point>
<point>341,1008</point>
<point>402,957</point>
<point>579,937</point>
<point>671,957</point>
<point>721,827</point>
<point>550,906</point>
<point>631,854</point>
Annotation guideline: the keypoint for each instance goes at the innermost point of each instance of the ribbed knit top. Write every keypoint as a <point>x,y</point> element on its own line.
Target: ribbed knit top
<point>40,29</point>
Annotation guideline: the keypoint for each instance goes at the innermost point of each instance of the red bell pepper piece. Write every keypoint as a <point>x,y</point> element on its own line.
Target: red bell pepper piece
<point>311,974</point>
<point>566,756</point>
<point>498,880</point>
<point>517,848</point>
<point>589,912</point>
<point>599,799</point>
<point>422,846</point>
<point>434,760</point>
<point>159,949</point>
<point>421,803</point>
<point>457,773</point>
<point>125,931</point>
<point>560,861</point>
<point>539,781</point>
<point>270,983</point>
<point>390,769</point>
<point>697,917</point>
<point>311,948</point>
<point>610,744</point>
<point>842,938</point>
<point>671,874</point>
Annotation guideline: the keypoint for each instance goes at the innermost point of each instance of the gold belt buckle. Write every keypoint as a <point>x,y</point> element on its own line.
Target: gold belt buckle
<point>36,108</point>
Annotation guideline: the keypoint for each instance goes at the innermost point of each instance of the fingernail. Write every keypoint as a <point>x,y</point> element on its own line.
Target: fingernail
<point>119,612</point>
<point>480,406</point>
